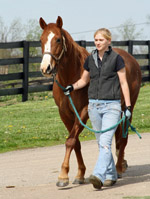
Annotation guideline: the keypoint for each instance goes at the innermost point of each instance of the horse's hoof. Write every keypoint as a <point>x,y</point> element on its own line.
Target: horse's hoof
<point>78,181</point>
<point>62,183</point>
<point>124,165</point>
<point>119,175</point>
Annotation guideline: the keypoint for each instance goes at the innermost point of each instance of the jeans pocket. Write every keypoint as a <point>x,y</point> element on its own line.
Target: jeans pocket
<point>92,112</point>
<point>114,106</point>
<point>115,109</point>
<point>91,106</point>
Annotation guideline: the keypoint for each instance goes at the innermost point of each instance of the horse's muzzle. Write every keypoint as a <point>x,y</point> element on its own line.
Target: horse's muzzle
<point>48,71</point>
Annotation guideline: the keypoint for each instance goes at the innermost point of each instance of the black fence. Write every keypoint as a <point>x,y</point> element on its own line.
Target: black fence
<point>26,59</point>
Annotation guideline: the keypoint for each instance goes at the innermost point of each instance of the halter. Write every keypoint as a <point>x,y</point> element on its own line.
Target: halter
<point>64,49</point>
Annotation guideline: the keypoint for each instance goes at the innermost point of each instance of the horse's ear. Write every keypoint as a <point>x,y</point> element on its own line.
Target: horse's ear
<point>42,23</point>
<point>59,22</point>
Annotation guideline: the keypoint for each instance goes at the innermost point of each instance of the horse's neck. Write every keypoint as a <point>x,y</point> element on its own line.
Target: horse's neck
<point>71,66</point>
<point>68,72</point>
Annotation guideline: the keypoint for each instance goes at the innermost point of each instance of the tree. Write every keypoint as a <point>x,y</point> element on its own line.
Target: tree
<point>32,30</point>
<point>128,31</point>
<point>148,19</point>
<point>32,33</point>
<point>17,31</point>
<point>13,32</point>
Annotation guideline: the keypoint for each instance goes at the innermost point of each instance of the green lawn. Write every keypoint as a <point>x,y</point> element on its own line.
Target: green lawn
<point>36,123</point>
<point>141,114</point>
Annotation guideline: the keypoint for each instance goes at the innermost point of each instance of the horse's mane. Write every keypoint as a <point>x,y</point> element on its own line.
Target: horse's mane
<point>73,46</point>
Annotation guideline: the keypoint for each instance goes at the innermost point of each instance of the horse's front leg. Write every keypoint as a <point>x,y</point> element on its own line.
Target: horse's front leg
<point>79,179</point>
<point>63,179</point>
<point>75,128</point>
<point>72,143</point>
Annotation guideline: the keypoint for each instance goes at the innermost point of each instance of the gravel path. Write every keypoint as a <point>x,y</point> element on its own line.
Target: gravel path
<point>33,173</point>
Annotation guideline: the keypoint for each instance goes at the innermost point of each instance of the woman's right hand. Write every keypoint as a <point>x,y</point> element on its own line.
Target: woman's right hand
<point>68,90</point>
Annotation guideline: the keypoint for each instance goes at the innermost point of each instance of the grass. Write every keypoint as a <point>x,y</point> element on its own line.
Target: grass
<point>36,123</point>
<point>141,116</point>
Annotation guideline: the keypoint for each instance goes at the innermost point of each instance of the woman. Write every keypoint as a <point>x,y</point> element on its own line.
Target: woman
<point>105,70</point>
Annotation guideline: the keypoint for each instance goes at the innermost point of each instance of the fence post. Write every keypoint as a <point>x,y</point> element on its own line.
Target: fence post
<point>25,70</point>
<point>149,58</point>
<point>130,47</point>
<point>82,43</point>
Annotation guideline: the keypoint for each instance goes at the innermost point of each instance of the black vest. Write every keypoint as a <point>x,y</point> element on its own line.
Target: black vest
<point>104,82</point>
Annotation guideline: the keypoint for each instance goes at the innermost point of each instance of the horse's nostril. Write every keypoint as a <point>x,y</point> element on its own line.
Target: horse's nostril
<point>48,69</point>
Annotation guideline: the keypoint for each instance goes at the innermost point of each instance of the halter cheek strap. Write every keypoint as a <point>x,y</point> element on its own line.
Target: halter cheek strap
<point>64,49</point>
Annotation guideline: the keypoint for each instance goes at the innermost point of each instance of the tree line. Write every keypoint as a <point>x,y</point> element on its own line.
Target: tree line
<point>31,31</point>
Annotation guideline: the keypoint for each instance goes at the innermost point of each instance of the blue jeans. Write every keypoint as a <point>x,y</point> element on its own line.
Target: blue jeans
<point>104,114</point>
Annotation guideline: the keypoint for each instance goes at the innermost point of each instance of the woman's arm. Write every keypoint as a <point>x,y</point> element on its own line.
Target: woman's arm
<point>83,81</point>
<point>124,86</point>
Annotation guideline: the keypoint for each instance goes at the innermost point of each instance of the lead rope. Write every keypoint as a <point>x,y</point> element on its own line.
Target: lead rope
<point>123,119</point>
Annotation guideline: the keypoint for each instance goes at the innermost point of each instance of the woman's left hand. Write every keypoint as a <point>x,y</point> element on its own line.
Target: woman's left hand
<point>127,112</point>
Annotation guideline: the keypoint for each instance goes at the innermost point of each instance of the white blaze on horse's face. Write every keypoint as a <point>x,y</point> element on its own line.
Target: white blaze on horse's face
<point>45,64</point>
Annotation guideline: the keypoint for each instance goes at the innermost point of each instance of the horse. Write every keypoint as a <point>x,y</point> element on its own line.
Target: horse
<point>64,58</point>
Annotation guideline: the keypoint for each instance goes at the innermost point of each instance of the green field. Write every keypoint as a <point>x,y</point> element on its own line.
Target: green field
<point>36,123</point>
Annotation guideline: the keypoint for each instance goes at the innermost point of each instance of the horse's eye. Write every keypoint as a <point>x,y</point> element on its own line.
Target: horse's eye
<point>58,40</point>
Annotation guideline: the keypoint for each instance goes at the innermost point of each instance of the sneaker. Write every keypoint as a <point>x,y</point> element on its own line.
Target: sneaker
<point>97,184</point>
<point>109,183</point>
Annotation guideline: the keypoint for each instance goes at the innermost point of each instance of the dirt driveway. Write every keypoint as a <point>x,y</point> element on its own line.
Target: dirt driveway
<point>32,173</point>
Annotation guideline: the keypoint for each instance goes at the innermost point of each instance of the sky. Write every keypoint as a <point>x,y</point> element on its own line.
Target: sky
<point>81,18</point>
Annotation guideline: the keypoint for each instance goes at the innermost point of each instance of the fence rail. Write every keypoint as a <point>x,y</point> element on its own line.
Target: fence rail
<point>25,60</point>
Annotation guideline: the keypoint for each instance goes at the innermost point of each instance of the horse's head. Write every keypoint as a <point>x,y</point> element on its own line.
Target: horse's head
<point>53,45</point>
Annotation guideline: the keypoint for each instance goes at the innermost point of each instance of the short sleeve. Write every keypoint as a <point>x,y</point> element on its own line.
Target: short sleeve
<point>86,67</point>
<point>120,63</point>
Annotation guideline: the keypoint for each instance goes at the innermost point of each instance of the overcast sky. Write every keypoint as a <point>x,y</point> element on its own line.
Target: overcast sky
<point>80,17</point>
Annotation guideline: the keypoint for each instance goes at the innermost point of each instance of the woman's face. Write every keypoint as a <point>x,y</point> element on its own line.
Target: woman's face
<point>101,43</point>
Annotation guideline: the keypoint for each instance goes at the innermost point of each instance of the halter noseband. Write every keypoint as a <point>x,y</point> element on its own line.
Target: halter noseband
<point>64,49</point>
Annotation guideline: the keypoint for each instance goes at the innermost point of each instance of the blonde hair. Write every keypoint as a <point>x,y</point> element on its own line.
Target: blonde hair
<point>105,32</point>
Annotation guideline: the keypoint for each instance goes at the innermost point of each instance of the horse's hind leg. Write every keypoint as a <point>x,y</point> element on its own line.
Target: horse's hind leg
<point>79,179</point>
<point>121,143</point>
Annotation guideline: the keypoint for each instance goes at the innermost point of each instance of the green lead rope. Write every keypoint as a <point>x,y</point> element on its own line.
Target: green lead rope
<point>123,119</point>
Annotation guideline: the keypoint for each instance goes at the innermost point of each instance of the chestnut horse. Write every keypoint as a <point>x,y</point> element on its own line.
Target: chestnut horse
<point>64,57</point>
